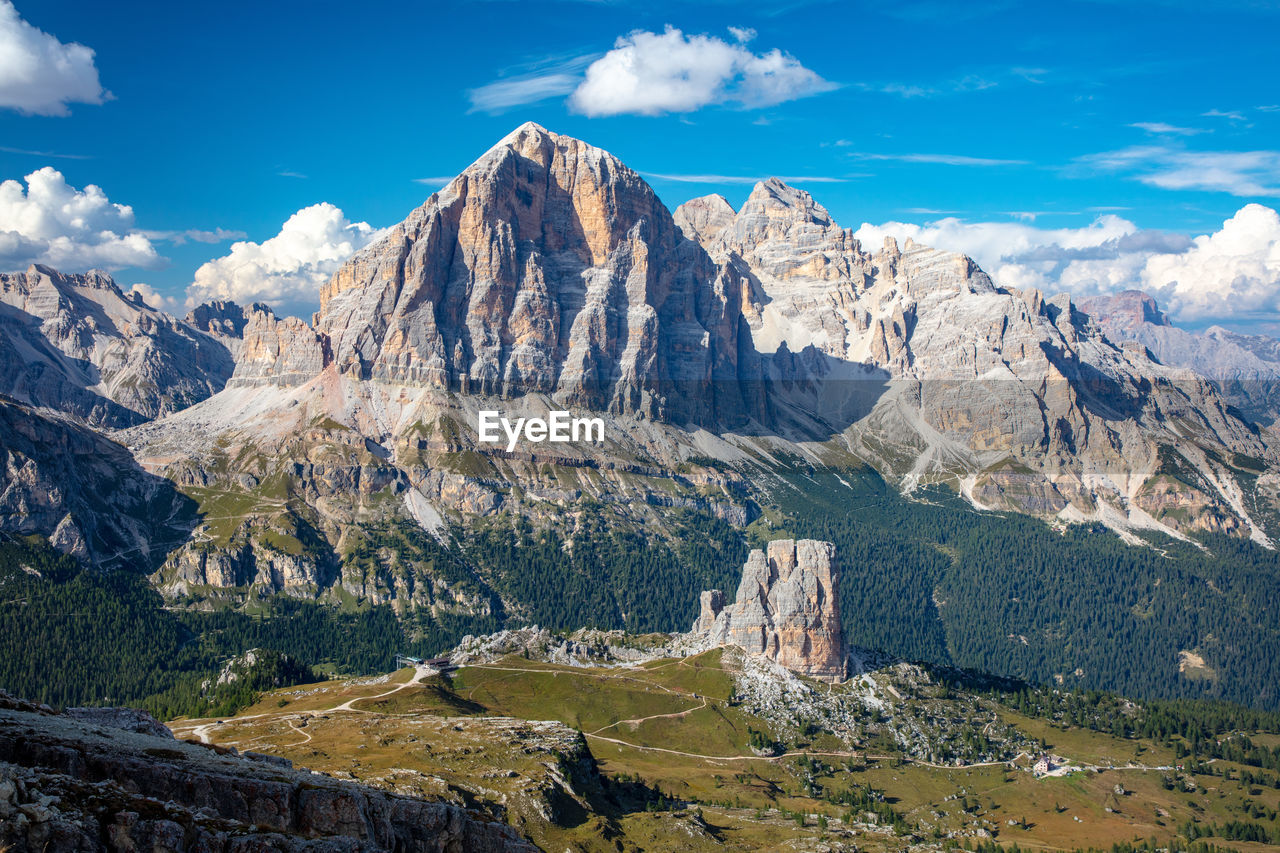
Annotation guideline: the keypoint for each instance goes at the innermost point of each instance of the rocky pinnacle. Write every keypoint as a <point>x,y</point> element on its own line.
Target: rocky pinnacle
<point>787,609</point>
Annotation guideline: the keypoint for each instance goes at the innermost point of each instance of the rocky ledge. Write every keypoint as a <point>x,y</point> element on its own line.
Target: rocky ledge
<point>66,785</point>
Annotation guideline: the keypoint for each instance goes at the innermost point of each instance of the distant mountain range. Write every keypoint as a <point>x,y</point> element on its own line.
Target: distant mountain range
<point>548,274</point>
<point>731,351</point>
<point>1244,368</point>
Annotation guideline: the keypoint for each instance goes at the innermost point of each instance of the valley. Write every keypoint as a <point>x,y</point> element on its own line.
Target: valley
<point>963,521</point>
<point>637,755</point>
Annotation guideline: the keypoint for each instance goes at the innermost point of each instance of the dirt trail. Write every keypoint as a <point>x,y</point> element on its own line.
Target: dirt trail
<point>202,730</point>
<point>638,720</point>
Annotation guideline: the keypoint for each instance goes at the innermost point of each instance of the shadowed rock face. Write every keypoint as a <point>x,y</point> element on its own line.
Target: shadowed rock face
<point>1244,368</point>
<point>787,609</point>
<point>84,493</point>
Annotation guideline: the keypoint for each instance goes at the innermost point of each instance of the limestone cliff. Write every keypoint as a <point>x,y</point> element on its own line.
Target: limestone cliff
<point>936,374</point>
<point>549,275</point>
<point>81,345</point>
<point>273,351</point>
<point>547,266</point>
<point>787,609</point>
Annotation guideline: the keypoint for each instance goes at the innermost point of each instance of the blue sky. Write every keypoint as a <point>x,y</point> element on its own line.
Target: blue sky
<point>234,115</point>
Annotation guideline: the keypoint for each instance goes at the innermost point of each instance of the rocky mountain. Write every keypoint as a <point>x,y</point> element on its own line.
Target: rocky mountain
<point>80,345</point>
<point>1017,399</point>
<point>1244,368</point>
<point>84,492</point>
<point>547,266</point>
<point>224,321</point>
<point>720,343</point>
<point>787,609</point>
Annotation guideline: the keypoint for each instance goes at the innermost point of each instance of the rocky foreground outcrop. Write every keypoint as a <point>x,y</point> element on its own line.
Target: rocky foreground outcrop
<point>787,609</point>
<point>69,785</point>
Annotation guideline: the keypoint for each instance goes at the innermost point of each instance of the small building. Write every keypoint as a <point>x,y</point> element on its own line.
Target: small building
<point>1043,765</point>
<point>441,664</point>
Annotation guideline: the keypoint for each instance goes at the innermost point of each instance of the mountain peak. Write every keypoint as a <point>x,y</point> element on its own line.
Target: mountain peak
<point>1129,308</point>
<point>547,265</point>
<point>95,279</point>
<point>531,127</point>
<point>702,219</point>
<point>777,199</point>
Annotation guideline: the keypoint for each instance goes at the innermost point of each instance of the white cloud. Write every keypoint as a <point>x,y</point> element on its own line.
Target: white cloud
<point>746,179</point>
<point>959,85</point>
<point>1164,129</point>
<point>997,244</point>
<point>651,74</point>
<point>1232,115</point>
<point>1231,274</point>
<point>288,268</point>
<point>48,155</point>
<point>1240,173</point>
<point>942,159</point>
<point>196,235</point>
<point>39,74</point>
<point>518,91</point>
<point>154,298</point>
<point>51,222</point>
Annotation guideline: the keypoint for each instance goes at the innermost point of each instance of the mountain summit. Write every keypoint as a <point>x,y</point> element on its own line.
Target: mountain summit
<point>546,266</point>
<point>718,342</point>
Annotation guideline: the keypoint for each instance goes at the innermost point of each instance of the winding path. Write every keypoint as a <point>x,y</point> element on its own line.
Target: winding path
<point>202,730</point>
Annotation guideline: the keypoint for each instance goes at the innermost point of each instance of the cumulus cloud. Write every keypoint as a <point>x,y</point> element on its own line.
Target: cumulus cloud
<point>51,222</point>
<point>40,75</point>
<point>287,269</point>
<point>154,298</point>
<point>654,73</point>
<point>1233,272</point>
<point>1230,275</point>
<point>995,245</point>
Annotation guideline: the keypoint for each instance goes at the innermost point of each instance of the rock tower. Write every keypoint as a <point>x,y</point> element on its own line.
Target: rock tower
<point>787,609</point>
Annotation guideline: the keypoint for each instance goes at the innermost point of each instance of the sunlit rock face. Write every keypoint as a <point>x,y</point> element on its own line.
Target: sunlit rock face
<point>81,345</point>
<point>787,609</point>
<point>546,266</point>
